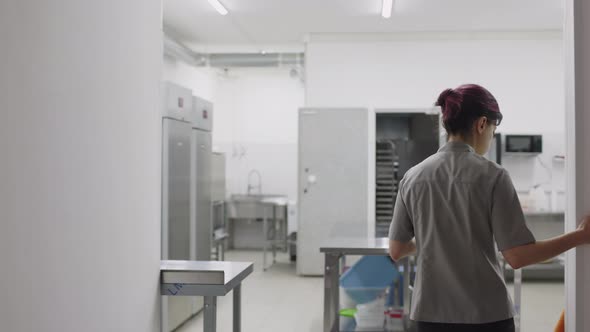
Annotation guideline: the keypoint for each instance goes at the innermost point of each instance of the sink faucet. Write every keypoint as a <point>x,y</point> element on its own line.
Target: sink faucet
<point>259,186</point>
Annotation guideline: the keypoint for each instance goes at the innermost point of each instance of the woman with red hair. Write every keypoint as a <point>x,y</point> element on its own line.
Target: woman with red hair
<point>455,210</point>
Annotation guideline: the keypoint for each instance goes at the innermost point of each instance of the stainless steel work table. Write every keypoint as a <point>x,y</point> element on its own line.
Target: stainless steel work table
<point>209,279</point>
<point>336,250</point>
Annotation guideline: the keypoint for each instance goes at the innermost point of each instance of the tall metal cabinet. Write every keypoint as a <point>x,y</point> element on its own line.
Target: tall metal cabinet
<point>218,191</point>
<point>333,181</point>
<point>201,208</point>
<point>176,193</point>
<point>186,191</point>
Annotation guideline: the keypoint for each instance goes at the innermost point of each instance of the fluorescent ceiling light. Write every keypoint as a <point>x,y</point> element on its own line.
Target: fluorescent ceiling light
<point>387,8</point>
<point>218,6</point>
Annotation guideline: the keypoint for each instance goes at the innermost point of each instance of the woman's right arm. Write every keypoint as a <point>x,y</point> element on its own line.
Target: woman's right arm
<point>515,240</point>
<point>540,251</point>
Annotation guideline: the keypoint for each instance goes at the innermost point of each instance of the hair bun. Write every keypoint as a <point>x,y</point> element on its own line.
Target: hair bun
<point>450,103</point>
<point>442,98</point>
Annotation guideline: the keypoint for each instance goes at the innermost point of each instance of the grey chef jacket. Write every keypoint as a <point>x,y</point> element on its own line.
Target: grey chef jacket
<point>456,203</point>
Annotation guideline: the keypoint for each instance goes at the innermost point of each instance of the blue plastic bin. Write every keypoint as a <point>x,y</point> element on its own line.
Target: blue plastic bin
<point>368,278</point>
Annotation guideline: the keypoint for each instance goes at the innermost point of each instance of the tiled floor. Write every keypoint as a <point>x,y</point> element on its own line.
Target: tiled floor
<point>280,301</point>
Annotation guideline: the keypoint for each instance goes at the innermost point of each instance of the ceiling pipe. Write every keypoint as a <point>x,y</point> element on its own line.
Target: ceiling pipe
<point>176,50</point>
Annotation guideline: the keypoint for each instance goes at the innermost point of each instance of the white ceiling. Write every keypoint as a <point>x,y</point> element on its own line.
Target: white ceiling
<point>259,23</point>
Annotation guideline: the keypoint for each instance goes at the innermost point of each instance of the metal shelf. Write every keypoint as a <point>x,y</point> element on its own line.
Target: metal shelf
<point>386,184</point>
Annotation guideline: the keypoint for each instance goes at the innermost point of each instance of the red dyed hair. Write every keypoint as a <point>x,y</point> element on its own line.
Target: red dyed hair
<point>462,106</point>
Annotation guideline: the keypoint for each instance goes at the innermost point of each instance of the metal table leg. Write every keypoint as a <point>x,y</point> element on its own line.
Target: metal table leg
<point>210,319</point>
<point>237,308</point>
<point>274,234</point>
<point>406,290</point>
<point>285,230</point>
<point>331,292</point>
<point>164,314</point>
<point>517,297</point>
<point>264,242</point>
<point>218,252</point>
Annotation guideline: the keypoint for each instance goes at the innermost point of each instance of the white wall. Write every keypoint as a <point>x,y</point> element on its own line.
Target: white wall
<point>199,79</point>
<point>79,170</point>
<point>523,70</point>
<point>256,126</point>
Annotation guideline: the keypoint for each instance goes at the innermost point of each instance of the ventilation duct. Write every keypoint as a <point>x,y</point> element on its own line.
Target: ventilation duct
<point>255,60</point>
<point>177,50</point>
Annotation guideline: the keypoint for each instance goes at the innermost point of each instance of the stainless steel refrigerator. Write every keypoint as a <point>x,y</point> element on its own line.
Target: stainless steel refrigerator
<point>201,204</point>
<point>186,202</point>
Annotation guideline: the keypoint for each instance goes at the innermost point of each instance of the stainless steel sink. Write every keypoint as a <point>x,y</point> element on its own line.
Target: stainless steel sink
<point>256,206</point>
<point>271,210</point>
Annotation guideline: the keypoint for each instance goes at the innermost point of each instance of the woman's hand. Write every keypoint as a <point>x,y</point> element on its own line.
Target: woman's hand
<point>584,229</point>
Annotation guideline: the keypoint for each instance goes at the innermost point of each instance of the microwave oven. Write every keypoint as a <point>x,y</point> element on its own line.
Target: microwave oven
<point>531,144</point>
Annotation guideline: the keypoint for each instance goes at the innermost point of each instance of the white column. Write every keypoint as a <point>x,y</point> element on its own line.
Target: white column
<point>577,60</point>
<point>79,165</point>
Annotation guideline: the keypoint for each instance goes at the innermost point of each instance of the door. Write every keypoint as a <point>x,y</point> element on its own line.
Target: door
<point>176,182</point>
<point>202,189</point>
<point>201,220</point>
<point>333,181</point>
<point>176,171</point>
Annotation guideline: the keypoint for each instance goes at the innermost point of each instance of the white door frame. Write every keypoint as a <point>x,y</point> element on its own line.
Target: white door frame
<point>577,103</point>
